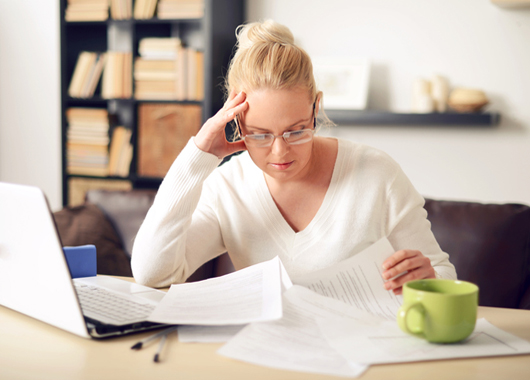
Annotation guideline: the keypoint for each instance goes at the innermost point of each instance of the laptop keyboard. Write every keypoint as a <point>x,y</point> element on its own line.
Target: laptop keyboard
<point>110,308</point>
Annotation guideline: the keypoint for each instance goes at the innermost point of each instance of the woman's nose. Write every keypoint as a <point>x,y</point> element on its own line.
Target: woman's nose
<point>279,146</point>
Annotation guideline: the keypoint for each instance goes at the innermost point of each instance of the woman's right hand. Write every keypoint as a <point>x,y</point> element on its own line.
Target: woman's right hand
<point>211,137</point>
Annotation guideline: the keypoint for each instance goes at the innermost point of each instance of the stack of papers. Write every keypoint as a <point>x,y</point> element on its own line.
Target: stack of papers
<point>249,295</point>
<point>337,321</point>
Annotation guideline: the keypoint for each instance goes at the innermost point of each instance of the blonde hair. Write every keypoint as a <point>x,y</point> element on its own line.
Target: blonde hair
<point>268,58</point>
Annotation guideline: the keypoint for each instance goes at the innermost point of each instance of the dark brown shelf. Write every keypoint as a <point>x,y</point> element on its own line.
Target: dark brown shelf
<point>135,21</point>
<point>357,118</point>
<point>99,99</point>
<point>213,34</point>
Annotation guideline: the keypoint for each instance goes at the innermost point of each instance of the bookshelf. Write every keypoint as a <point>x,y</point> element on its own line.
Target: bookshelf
<point>212,34</point>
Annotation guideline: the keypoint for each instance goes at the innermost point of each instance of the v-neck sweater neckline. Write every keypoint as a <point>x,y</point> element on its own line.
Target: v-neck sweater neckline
<point>281,231</point>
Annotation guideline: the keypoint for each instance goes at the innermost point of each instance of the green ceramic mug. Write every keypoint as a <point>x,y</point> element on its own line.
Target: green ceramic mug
<point>440,311</point>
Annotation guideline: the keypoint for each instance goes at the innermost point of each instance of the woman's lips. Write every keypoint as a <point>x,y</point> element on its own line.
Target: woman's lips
<point>281,165</point>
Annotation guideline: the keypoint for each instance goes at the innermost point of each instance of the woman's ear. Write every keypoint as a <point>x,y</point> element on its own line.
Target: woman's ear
<point>317,103</point>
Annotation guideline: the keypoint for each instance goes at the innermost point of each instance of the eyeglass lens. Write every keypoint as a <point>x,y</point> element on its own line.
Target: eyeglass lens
<point>293,137</point>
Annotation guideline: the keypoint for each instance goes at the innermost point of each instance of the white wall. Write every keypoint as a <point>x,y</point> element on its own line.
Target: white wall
<point>30,95</point>
<point>472,42</point>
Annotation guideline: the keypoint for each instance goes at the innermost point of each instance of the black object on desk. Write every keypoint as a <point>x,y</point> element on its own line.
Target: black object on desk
<point>163,334</point>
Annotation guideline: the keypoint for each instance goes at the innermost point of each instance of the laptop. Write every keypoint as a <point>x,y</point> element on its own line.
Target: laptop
<point>35,279</point>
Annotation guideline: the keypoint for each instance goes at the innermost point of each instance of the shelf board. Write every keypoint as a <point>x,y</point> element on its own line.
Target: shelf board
<point>99,99</point>
<point>350,117</point>
<point>164,20</point>
<point>198,102</point>
<point>73,175</point>
<point>93,100</point>
<point>134,21</point>
<point>145,182</point>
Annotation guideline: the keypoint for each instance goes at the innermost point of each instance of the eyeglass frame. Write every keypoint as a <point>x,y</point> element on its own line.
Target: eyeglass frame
<point>236,119</point>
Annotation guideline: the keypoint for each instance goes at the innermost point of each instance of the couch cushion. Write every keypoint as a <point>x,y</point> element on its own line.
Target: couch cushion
<point>86,224</point>
<point>126,211</point>
<point>489,244</point>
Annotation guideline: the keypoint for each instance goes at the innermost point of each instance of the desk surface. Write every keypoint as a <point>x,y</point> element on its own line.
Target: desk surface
<point>30,349</point>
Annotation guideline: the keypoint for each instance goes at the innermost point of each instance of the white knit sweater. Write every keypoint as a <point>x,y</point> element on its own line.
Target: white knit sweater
<point>202,210</point>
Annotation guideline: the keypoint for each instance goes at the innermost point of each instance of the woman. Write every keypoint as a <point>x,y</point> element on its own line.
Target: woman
<point>310,200</point>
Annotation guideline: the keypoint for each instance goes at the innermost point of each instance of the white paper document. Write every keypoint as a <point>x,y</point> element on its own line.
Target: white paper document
<point>384,342</point>
<point>207,334</point>
<point>295,342</point>
<point>358,281</point>
<point>247,295</point>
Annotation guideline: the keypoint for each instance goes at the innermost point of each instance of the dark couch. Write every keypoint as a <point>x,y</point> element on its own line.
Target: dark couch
<point>489,244</point>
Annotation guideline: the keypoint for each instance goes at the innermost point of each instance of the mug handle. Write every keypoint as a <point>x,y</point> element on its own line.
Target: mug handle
<point>403,321</point>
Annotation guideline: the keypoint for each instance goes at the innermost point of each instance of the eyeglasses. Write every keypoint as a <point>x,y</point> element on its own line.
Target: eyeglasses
<point>292,137</point>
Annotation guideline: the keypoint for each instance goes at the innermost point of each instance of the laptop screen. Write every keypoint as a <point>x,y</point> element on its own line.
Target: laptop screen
<point>34,276</point>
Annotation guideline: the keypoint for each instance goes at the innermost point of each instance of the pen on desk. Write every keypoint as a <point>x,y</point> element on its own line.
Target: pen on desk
<point>164,332</point>
<point>160,347</point>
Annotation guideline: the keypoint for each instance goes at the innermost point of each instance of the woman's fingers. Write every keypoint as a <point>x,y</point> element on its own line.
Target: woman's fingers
<point>399,256</point>
<point>229,111</point>
<point>402,261</point>
<point>236,146</point>
<point>408,265</point>
<point>234,99</point>
<point>211,137</point>
<point>226,114</point>
<point>232,95</point>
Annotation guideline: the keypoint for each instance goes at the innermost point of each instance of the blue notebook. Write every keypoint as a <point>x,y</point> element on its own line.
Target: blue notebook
<point>81,260</point>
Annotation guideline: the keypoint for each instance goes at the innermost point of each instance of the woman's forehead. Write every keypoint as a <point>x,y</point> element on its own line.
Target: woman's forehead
<point>284,107</point>
<point>291,95</point>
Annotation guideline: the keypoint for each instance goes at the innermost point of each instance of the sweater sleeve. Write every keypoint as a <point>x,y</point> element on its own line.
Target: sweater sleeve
<point>409,228</point>
<point>161,253</point>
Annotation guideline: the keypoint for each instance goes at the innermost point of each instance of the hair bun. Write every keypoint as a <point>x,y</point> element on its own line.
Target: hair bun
<point>268,31</point>
<point>266,57</point>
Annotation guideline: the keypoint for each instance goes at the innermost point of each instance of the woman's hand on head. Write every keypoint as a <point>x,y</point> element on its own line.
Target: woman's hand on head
<point>412,263</point>
<point>211,137</point>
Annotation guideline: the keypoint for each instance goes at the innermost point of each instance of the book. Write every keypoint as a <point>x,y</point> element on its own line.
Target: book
<point>144,9</point>
<point>163,131</point>
<point>107,91</point>
<point>83,67</point>
<point>120,152</point>
<point>142,64</point>
<point>181,67</point>
<point>139,9</point>
<point>191,74</point>
<point>100,114</point>
<point>121,9</point>
<point>150,9</point>
<point>159,48</point>
<point>180,9</point>
<point>96,170</point>
<point>200,76</point>
<point>77,187</point>
<point>93,10</point>
<point>156,86</point>
<point>117,76</point>
<point>87,139</point>
<point>180,79</point>
<point>154,75</point>
<point>127,91</point>
<point>124,162</point>
<point>89,87</point>
<point>195,75</point>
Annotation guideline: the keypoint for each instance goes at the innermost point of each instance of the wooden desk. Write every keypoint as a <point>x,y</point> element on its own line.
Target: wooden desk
<point>30,349</point>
